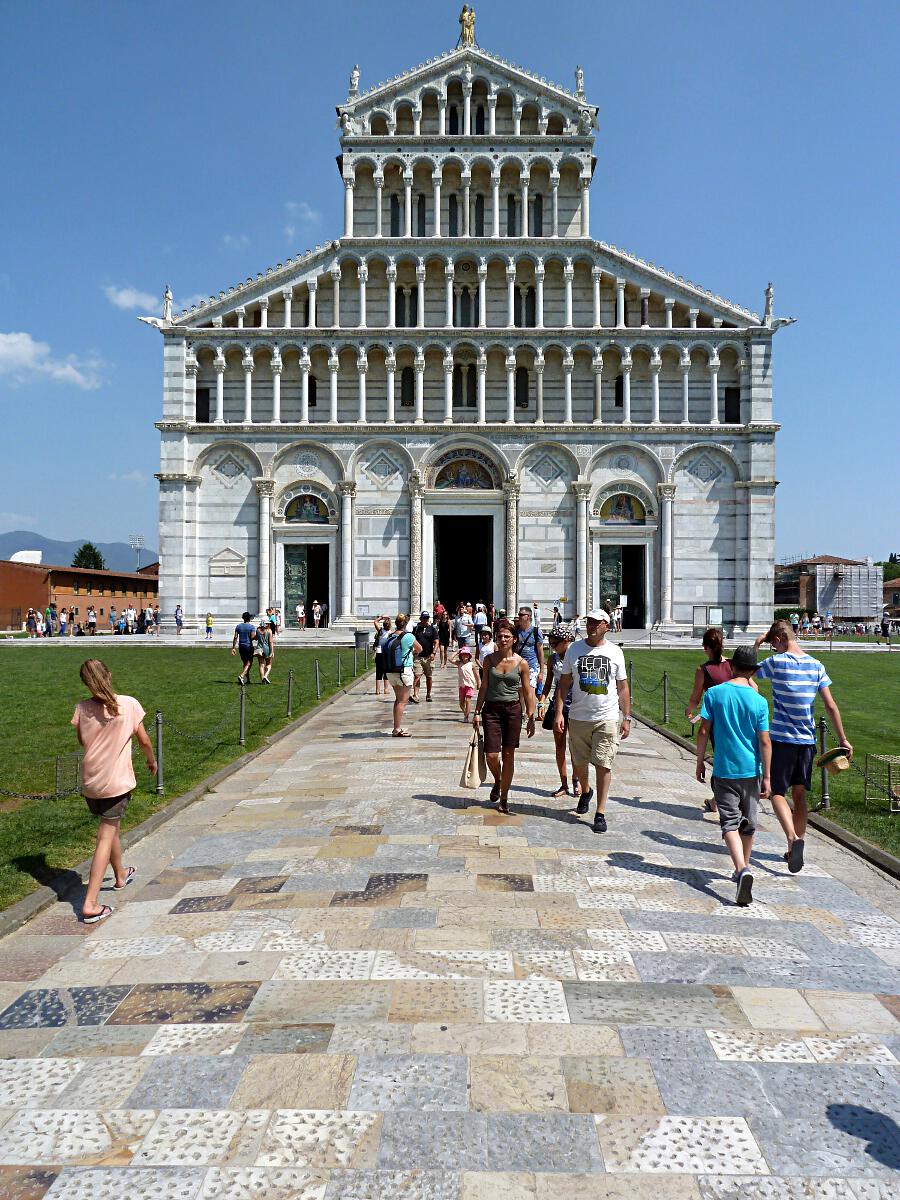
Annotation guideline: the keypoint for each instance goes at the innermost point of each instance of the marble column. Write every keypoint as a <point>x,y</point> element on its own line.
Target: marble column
<point>511,293</point>
<point>620,303</point>
<point>248,365</point>
<point>379,193</point>
<point>539,273</point>
<point>744,375</point>
<point>348,208</point>
<point>414,485</point>
<point>362,368</point>
<point>685,389</point>
<point>511,490</point>
<point>597,368</point>
<point>265,489</point>
<point>313,287</point>
<point>277,368</point>
<point>304,389</point>
<point>539,365</point>
<point>191,371</point>
<point>585,208</point>
<point>442,115</point>
<point>670,308</point>
<point>347,490</point>
<point>582,490</point>
<point>517,120</point>
<point>693,314</point>
<point>407,204</point>
<point>391,271</point>
<point>626,391</point>
<point>363,276</point>
<point>390,366</point>
<point>596,277</point>
<point>219,367</point>
<point>645,308</point>
<point>568,276</point>
<point>436,185</point>
<point>417,122</point>
<point>240,316</point>
<point>511,389</point>
<point>419,365</point>
<point>264,313</point>
<point>525,180</point>
<point>568,368</point>
<point>336,296</point>
<point>554,185</point>
<point>287,296</point>
<point>655,368</point>
<point>467,110</point>
<point>482,294</point>
<point>495,206</point>
<point>420,294</point>
<point>333,365</point>
<point>448,292</point>
<point>714,391</point>
<point>466,205</point>
<point>492,114</point>
<point>448,387</point>
<point>481,397</point>
<point>666,495</point>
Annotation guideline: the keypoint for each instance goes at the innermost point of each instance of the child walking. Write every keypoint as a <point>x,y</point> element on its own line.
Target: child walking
<point>209,626</point>
<point>743,752</point>
<point>105,725</point>
<point>467,674</point>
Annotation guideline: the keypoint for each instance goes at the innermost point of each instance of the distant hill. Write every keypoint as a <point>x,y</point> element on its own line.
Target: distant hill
<point>118,556</point>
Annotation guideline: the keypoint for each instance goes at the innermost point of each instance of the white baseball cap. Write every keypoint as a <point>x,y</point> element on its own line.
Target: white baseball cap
<point>598,614</point>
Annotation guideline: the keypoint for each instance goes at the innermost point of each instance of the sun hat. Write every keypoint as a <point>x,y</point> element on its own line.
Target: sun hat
<point>745,658</point>
<point>465,652</point>
<point>834,761</point>
<point>598,614</point>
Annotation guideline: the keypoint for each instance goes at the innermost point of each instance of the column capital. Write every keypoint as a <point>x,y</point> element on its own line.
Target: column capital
<point>378,177</point>
<point>312,285</point>
<point>714,362</point>
<point>450,268</point>
<point>482,268</point>
<point>685,361</point>
<point>264,302</point>
<point>247,361</point>
<point>305,364</point>
<point>597,364</point>
<point>335,272</point>
<point>287,293</point>
<point>669,303</point>
<point>420,271</point>
<point>347,487</point>
<point>717,322</point>
<point>362,362</point>
<point>582,489</point>
<point>627,363</point>
<point>265,487</point>
<point>441,100</point>
<point>743,364</point>
<point>554,177</point>
<point>655,361</point>
<point>362,272</point>
<point>277,364</point>
<point>511,360</point>
<point>620,283</point>
<point>414,485</point>
<point>481,363</point>
<point>596,273</point>
<point>391,268</point>
<point>645,293</point>
<point>492,99</point>
<point>569,270</point>
<point>217,322</point>
<point>665,492</point>
<point>191,366</point>
<point>448,362</point>
<point>539,364</point>
<point>467,87</point>
<point>539,269</point>
<point>333,362</point>
<point>349,181</point>
<point>568,362</point>
<point>419,360</point>
<point>219,363</point>
<point>511,268</point>
<point>511,486</point>
<point>437,176</point>
<point>390,361</point>
<point>240,311</point>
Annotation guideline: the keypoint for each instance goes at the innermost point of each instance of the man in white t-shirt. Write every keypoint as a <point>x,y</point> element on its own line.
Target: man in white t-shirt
<point>600,712</point>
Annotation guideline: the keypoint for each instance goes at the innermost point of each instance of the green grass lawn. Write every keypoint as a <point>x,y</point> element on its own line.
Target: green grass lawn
<point>866,688</point>
<point>195,688</point>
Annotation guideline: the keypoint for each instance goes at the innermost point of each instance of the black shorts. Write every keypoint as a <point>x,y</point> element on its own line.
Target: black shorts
<point>502,724</point>
<point>246,653</point>
<point>791,765</point>
<point>110,808</point>
<point>380,667</point>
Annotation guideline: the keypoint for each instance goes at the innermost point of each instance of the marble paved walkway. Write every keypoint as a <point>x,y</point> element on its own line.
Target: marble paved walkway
<point>340,976</point>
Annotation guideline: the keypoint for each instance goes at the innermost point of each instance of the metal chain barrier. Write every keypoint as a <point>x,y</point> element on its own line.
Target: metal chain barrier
<point>199,737</point>
<point>826,736</point>
<point>58,793</point>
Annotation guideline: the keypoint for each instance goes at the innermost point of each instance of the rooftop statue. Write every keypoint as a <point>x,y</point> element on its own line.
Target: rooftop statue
<point>167,304</point>
<point>579,83</point>
<point>467,26</point>
<point>770,305</point>
<point>354,83</point>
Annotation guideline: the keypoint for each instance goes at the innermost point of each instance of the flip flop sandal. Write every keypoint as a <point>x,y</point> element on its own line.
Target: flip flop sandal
<point>562,790</point>
<point>104,912</point>
<point>401,733</point>
<point>129,876</point>
<point>795,856</point>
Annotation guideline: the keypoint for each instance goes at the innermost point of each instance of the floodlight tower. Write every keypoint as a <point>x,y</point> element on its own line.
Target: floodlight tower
<point>136,541</point>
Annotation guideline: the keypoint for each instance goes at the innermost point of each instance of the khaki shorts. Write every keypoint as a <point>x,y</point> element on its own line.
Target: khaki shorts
<point>423,666</point>
<point>593,742</point>
<point>401,678</point>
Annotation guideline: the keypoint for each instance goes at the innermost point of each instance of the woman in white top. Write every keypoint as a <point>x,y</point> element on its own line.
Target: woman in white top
<point>300,610</point>
<point>316,613</point>
<point>485,645</point>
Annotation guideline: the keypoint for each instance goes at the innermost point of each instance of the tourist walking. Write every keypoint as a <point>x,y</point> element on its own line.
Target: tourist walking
<point>91,619</point>
<point>743,752</point>
<point>505,686</point>
<point>797,678</point>
<point>263,648</point>
<point>462,626</point>
<point>316,614</point>
<point>179,620</point>
<point>242,643</point>
<point>63,621</point>
<point>426,635</point>
<point>382,633</point>
<point>530,645</point>
<point>300,613</point>
<point>209,626</point>
<point>560,638</point>
<point>467,676</point>
<point>714,671</point>
<point>324,614</point>
<point>105,725</point>
<point>445,632</point>
<point>31,623</point>
<point>485,645</point>
<point>113,618</point>
<point>399,651</point>
<point>600,712</point>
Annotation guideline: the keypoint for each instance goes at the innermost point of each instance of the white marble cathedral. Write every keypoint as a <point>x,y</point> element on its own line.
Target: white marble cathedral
<point>466,395</point>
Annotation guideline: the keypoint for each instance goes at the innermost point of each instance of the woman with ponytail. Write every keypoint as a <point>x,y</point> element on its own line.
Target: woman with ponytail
<point>105,725</point>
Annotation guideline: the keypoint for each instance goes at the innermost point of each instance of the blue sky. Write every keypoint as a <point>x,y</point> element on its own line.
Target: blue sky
<point>195,144</point>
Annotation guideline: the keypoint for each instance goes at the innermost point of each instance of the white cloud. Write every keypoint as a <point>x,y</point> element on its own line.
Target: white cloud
<point>23,360</point>
<point>135,476</point>
<point>302,213</point>
<point>290,232</point>
<point>130,297</point>
<point>236,241</point>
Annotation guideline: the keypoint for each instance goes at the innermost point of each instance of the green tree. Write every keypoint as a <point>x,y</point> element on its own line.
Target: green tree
<point>87,555</point>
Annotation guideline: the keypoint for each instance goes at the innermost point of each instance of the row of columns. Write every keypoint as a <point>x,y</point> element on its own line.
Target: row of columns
<point>437,224</point>
<point>491,131</point>
<point>362,367</point>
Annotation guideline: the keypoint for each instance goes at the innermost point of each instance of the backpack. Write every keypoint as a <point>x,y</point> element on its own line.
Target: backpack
<point>394,656</point>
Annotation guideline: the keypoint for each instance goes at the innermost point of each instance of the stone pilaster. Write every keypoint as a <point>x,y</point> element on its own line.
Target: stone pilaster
<point>511,490</point>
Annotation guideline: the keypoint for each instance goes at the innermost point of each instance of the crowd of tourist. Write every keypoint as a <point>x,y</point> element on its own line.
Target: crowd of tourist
<point>62,622</point>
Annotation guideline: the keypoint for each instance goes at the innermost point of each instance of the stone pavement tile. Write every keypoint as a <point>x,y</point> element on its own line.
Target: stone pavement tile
<point>25,1183</point>
<point>525,1000</point>
<point>713,1089</point>
<point>78,972</point>
<point>567,1040</point>
<point>323,1140</point>
<point>327,964</point>
<point>454,939</point>
<point>196,1081</point>
<point>315,1002</point>
<point>104,1083</point>
<point>507,882</point>
<point>776,1008</point>
<point>50,1137</point>
<point>541,1142</point>
<point>688,1145</point>
<point>891,1003</point>
<point>614,966</point>
<point>185,1137</point>
<point>74,1041</point>
<point>262,1183</point>
<point>181,968</point>
<point>647,1041</point>
<point>455,1142</point>
<point>260,884</point>
<point>468,1039</point>
<point>189,1039</point>
<point>621,1086</point>
<point>498,1185</point>
<point>25,965</point>
<point>135,947</point>
<point>802,1092</point>
<point>852,1048</point>
<point>377,1037</point>
<point>198,904</point>
<point>371,938</point>
<point>158,1003</point>
<point>517,1083</point>
<point>429,1082</point>
<point>321,1081</point>
<point>457,1001</point>
<point>395,1185</point>
<point>658,1004</point>
<point>545,964</point>
<point>612,1187</point>
<point>744,1187</point>
<point>160,1183</point>
<point>283,1039</point>
<point>686,968</point>
<point>405,918</point>
<point>846,1140</point>
<point>236,966</point>
<point>24,1043</point>
<point>32,1082</point>
<point>63,1006</point>
<point>442,964</point>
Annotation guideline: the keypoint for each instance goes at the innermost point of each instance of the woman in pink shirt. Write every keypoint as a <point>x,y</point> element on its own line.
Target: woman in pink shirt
<point>105,725</point>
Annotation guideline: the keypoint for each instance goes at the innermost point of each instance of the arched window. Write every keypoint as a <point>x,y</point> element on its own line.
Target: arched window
<point>537,216</point>
<point>479,119</point>
<point>420,215</point>
<point>407,388</point>
<point>453,217</point>
<point>313,391</point>
<point>521,387</point>
<point>479,215</point>
<point>395,215</point>
<point>454,119</point>
<point>201,406</point>
<point>511,215</point>
<point>465,308</point>
<point>471,386</point>
<point>530,308</point>
<point>457,384</point>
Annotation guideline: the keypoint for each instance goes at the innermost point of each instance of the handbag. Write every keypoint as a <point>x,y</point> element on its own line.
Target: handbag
<point>474,770</point>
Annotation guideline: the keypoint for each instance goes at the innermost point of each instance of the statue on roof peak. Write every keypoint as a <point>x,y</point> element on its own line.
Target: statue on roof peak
<point>167,304</point>
<point>353,91</point>
<point>467,26</point>
<point>579,83</point>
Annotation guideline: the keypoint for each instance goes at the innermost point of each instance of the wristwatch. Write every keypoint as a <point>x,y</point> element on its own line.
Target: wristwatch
<point>628,719</point>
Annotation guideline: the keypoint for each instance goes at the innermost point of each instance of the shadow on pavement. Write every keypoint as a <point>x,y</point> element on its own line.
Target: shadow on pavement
<point>68,885</point>
<point>878,1129</point>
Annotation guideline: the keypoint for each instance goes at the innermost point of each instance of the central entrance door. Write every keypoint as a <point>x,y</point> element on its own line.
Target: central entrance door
<point>464,560</point>
<point>622,574</point>
<point>306,579</point>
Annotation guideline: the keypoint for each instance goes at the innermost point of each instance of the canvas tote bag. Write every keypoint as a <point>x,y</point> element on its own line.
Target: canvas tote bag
<point>474,770</point>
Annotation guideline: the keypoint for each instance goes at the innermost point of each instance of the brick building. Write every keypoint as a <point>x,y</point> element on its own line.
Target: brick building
<point>35,585</point>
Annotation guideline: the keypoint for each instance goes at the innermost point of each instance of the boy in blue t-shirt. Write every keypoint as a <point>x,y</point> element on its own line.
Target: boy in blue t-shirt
<point>740,718</point>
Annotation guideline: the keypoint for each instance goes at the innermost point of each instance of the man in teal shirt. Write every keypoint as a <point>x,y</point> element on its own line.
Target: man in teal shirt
<point>740,718</point>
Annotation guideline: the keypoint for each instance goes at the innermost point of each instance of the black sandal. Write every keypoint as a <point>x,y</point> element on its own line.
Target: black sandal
<point>562,790</point>
<point>104,912</point>
<point>503,807</point>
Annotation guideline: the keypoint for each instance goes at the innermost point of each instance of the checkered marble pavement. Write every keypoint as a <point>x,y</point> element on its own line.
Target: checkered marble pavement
<point>340,976</point>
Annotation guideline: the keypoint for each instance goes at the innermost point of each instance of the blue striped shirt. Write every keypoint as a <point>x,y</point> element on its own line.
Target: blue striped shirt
<point>796,681</point>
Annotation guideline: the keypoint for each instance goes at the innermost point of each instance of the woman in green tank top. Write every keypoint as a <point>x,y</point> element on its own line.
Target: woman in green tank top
<point>505,684</point>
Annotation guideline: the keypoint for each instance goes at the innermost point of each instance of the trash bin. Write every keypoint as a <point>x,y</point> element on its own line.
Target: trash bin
<point>361,638</point>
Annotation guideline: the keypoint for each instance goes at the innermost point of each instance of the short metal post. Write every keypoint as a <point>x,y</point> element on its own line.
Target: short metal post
<point>290,691</point>
<point>355,665</point>
<point>823,734</point>
<point>159,754</point>
<point>243,738</point>
<point>339,671</point>
<point>318,682</point>
<point>631,677</point>
<point>366,658</point>
<point>665,697</point>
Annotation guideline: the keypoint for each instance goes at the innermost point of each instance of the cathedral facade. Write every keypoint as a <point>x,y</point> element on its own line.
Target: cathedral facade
<point>466,396</point>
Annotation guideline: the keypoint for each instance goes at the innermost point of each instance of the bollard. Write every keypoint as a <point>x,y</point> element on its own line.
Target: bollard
<point>242,737</point>
<point>631,677</point>
<point>318,682</point>
<point>665,697</point>
<point>339,671</point>
<point>159,754</point>
<point>366,658</point>
<point>823,733</point>
<point>355,668</point>
<point>290,690</point>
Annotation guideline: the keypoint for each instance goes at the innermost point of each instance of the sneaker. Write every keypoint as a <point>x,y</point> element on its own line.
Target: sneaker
<point>584,802</point>
<point>744,894</point>
<point>599,823</point>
